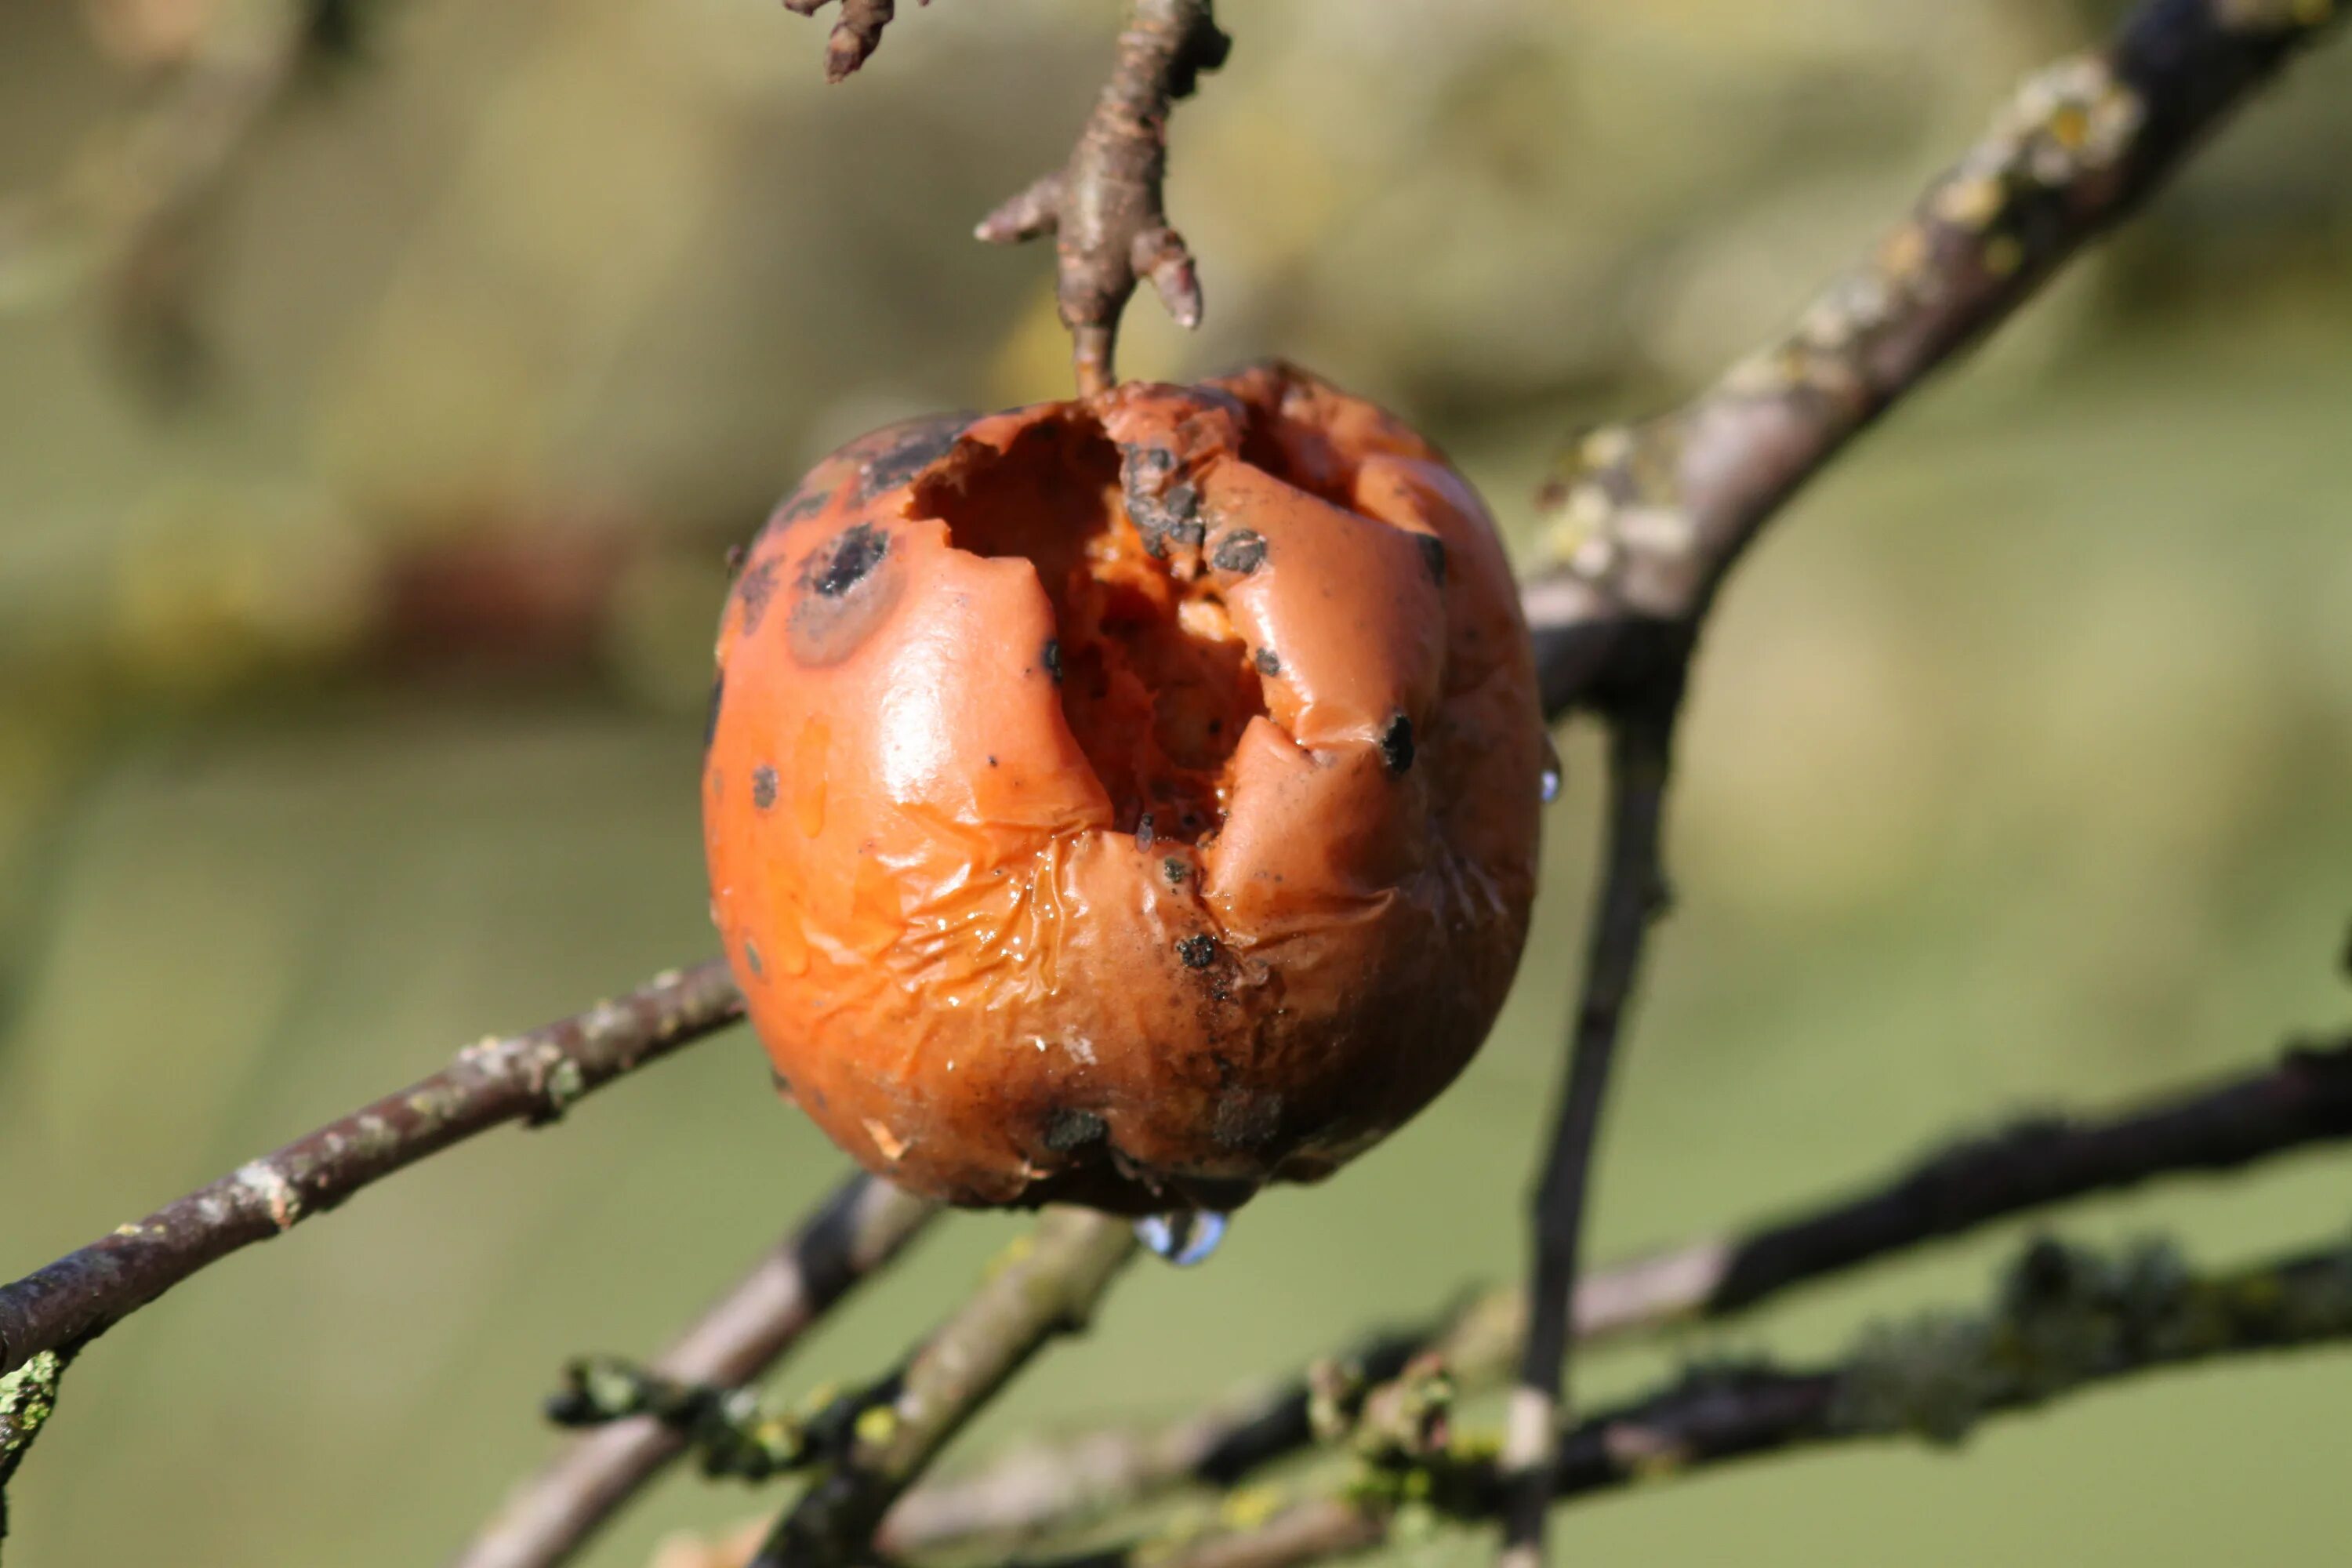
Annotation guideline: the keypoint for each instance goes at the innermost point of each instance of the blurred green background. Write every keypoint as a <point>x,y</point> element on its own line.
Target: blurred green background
<point>376,414</point>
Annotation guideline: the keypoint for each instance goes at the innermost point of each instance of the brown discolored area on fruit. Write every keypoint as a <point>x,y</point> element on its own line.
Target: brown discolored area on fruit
<point>1065,884</point>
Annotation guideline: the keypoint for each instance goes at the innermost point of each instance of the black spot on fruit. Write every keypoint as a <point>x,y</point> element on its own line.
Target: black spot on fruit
<point>1166,515</point>
<point>1241,550</point>
<point>1053,659</point>
<point>1432,552</point>
<point>1197,951</point>
<point>849,584</point>
<point>1267,661</point>
<point>1171,519</point>
<point>1066,1130</point>
<point>718,697</point>
<point>763,786</point>
<point>847,560</point>
<point>1396,745</point>
<point>1246,1120</point>
<point>1175,870</point>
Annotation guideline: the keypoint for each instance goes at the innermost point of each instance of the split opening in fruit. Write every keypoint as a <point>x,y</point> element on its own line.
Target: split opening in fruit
<point>1155,684</point>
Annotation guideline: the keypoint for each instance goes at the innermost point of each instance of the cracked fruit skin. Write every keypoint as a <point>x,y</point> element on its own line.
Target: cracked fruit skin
<point>1127,801</point>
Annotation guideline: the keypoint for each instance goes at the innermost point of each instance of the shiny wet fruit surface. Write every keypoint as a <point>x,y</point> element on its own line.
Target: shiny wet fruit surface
<point>1131,801</point>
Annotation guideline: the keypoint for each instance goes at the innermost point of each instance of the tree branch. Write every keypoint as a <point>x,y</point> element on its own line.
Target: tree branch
<point>1104,207</point>
<point>1633,895</point>
<point>1647,519</point>
<point>2305,1101</point>
<point>28,1397</point>
<point>1047,1284</point>
<point>533,1077</point>
<point>2065,1319</point>
<point>853,1234</point>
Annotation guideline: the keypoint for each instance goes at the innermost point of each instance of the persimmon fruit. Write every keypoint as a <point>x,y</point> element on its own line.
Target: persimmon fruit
<point>1131,801</point>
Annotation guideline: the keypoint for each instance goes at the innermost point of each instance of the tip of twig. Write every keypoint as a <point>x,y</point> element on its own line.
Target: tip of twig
<point>1026,215</point>
<point>854,37</point>
<point>844,51</point>
<point>1162,255</point>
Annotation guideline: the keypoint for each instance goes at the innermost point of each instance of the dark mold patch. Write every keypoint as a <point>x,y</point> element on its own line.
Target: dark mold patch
<point>1147,465</point>
<point>1066,1130</point>
<point>757,587</point>
<point>1175,870</point>
<point>753,960</point>
<point>909,450</point>
<point>763,786</point>
<point>1268,662</point>
<point>1143,830</point>
<point>1241,550</point>
<point>1171,520</point>
<point>1053,659</point>
<point>1396,745</point>
<point>1432,552</point>
<point>1197,951</point>
<point>1246,1120</point>
<point>847,560</point>
<point>718,697</point>
<point>1166,515</point>
<point>849,584</point>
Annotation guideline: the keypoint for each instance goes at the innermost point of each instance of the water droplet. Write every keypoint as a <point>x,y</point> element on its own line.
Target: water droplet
<point>1184,1239</point>
<point>1550,785</point>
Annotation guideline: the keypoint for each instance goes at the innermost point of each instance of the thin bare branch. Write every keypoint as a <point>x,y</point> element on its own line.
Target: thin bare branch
<point>1105,207</point>
<point>533,1077</point>
<point>2064,1320</point>
<point>2305,1101</point>
<point>1651,517</point>
<point>1632,896</point>
<point>1046,1285</point>
<point>855,1233</point>
<point>1648,517</point>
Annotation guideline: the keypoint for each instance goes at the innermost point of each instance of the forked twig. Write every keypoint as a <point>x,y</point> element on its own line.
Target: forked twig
<point>1046,1285</point>
<point>2064,1320</point>
<point>1105,207</point>
<point>2303,1101</point>
<point>1633,895</point>
<point>858,1231</point>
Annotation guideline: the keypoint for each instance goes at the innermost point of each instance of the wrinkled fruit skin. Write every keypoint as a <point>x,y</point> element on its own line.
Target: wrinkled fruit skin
<point>1127,801</point>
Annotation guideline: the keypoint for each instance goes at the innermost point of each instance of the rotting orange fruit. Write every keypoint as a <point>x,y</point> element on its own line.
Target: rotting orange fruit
<point>1127,801</point>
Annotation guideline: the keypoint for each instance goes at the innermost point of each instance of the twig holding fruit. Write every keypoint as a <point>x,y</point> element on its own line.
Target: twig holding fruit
<point>1105,207</point>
